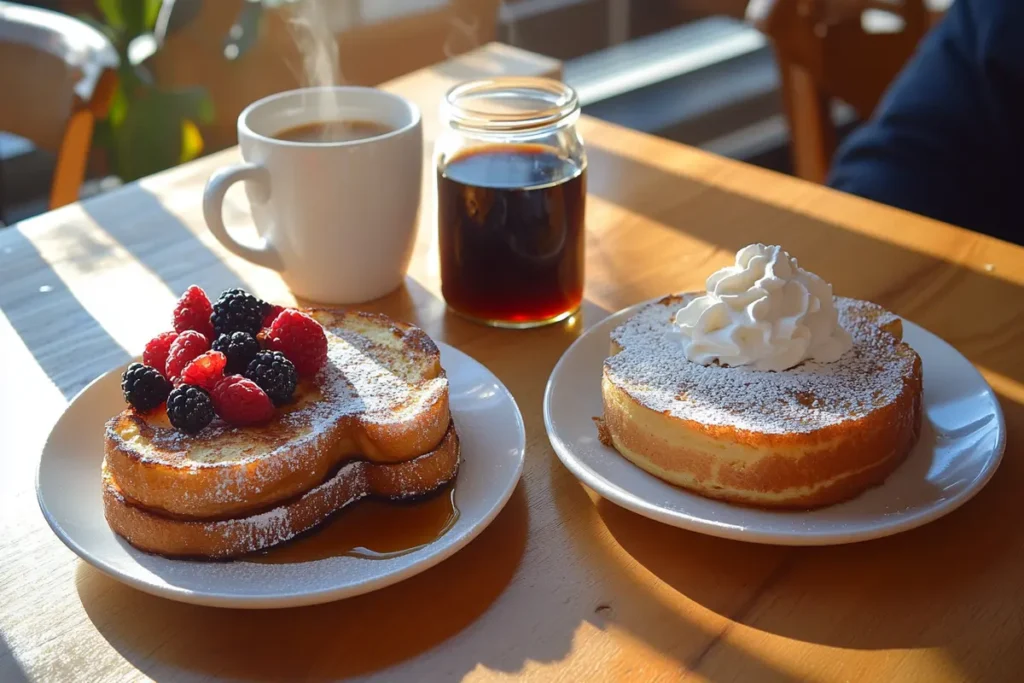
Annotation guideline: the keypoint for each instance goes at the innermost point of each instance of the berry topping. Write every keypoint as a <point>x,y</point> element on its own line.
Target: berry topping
<point>273,310</point>
<point>188,346</point>
<point>238,311</point>
<point>192,312</point>
<point>155,355</point>
<point>189,408</point>
<point>240,401</point>
<point>240,348</point>
<point>301,339</point>
<point>205,370</point>
<point>275,374</point>
<point>144,387</point>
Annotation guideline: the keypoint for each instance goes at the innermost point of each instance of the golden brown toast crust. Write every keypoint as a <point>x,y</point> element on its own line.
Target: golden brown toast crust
<point>175,537</point>
<point>383,396</point>
<point>675,422</point>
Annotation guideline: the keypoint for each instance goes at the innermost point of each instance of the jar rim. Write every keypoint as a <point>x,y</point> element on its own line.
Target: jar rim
<point>504,103</point>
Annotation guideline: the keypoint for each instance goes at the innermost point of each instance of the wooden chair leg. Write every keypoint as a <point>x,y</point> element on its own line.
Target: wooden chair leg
<point>812,133</point>
<point>72,158</point>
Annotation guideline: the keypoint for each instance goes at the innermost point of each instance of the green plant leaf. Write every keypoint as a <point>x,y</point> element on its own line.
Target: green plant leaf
<point>134,15</point>
<point>112,15</point>
<point>103,135</point>
<point>118,108</point>
<point>191,142</point>
<point>190,103</point>
<point>150,13</point>
<point>149,139</point>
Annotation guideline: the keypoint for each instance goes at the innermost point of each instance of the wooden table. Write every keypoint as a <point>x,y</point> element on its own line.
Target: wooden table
<point>563,585</point>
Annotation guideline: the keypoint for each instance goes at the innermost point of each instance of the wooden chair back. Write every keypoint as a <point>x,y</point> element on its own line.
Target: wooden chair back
<point>58,77</point>
<point>824,51</point>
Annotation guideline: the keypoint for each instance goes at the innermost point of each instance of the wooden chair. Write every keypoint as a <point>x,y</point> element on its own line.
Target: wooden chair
<point>824,51</point>
<point>58,77</point>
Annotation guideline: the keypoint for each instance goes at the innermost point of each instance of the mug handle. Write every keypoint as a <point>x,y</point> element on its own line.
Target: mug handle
<point>262,253</point>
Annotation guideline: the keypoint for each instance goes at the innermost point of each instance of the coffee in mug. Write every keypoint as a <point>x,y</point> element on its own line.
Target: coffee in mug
<point>333,131</point>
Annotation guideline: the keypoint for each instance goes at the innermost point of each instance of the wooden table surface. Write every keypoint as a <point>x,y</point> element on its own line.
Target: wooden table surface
<point>563,585</point>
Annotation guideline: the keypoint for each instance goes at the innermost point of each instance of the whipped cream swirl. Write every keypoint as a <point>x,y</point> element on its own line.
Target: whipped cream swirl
<point>765,312</point>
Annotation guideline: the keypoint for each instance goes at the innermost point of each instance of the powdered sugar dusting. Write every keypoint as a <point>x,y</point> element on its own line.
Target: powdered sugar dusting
<point>654,370</point>
<point>276,526</point>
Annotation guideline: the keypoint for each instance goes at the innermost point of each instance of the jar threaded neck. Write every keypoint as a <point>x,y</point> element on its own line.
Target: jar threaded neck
<point>509,104</point>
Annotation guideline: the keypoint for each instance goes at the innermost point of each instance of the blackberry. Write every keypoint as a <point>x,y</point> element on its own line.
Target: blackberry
<point>274,374</point>
<point>238,311</point>
<point>144,387</point>
<point>189,408</point>
<point>240,348</point>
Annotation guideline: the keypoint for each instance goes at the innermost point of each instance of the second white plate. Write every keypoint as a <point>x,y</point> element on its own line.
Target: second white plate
<point>68,487</point>
<point>962,442</point>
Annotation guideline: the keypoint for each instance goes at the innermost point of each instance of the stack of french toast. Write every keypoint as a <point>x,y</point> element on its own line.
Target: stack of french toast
<point>373,420</point>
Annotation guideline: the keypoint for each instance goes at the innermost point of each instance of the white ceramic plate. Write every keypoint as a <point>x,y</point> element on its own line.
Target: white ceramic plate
<point>68,487</point>
<point>960,448</point>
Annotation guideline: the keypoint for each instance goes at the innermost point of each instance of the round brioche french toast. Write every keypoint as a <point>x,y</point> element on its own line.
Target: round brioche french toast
<point>812,435</point>
<point>382,396</point>
<point>224,538</point>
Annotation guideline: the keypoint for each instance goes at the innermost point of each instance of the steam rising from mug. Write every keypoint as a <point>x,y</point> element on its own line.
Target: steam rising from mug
<point>310,28</point>
<point>314,39</point>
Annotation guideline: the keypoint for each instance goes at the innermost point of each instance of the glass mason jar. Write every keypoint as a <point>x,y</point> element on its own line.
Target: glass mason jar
<point>511,194</point>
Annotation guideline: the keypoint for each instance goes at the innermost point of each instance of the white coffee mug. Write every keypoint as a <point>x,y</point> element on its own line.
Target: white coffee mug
<point>336,219</point>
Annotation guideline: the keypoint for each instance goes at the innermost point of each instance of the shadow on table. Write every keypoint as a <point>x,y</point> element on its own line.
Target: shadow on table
<point>857,265</point>
<point>905,591</point>
<point>44,311</point>
<point>46,314</point>
<point>360,635</point>
<point>633,603</point>
<point>10,668</point>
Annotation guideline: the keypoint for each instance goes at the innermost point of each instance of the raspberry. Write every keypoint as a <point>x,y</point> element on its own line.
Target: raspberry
<point>184,349</point>
<point>192,312</point>
<point>189,408</point>
<point>275,374</point>
<point>240,401</point>
<point>155,355</point>
<point>205,370</point>
<point>237,310</point>
<point>273,311</point>
<point>144,387</point>
<point>240,348</point>
<point>301,339</point>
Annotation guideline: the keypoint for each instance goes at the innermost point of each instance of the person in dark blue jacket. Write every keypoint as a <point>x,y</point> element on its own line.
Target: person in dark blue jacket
<point>947,140</point>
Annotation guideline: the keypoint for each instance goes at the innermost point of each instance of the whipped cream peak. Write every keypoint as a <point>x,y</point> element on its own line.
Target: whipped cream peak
<point>766,312</point>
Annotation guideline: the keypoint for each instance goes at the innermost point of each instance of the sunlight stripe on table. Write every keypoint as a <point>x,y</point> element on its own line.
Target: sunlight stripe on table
<point>29,403</point>
<point>127,299</point>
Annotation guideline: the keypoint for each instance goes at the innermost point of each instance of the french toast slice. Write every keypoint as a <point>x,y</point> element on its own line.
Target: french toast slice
<point>226,538</point>
<point>805,437</point>
<point>382,396</point>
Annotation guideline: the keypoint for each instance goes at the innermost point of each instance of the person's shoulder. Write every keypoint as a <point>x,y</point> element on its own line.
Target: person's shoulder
<point>995,26</point>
